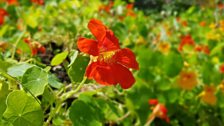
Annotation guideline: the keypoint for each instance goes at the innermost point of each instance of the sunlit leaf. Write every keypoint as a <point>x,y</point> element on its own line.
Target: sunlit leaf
<point>23,110</point>
<point>35,79</point>
<point>59,58</point>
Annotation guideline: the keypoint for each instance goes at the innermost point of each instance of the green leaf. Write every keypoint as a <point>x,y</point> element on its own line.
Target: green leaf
<point>53,81</point>
<point>172,64</point>
<point>19,69</point>
<point>23,110</point>
<point>3,29</point>
<point>35,79</point>
<point>59,58</point>
<point>4,91</point>
<point>73,55</point>
<point>217,49</point>
<point>31,16</point>
<point>4,65</point>
<point>82,114</point>
<point>77,69</point>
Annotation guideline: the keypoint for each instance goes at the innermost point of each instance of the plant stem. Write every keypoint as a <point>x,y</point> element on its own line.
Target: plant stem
<point>148,123</point>
<point>61,100</point>
<point>72,92</point>
<point>124,116</point>
<point>5,75</point>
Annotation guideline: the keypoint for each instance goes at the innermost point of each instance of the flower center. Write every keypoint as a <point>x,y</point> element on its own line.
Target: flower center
<point>107,56</point>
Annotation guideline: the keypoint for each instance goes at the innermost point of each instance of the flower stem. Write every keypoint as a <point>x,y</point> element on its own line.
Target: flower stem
<point>149,121</point>
<point>72,92</point>
<point>7,76</point>
<point>61,100</point>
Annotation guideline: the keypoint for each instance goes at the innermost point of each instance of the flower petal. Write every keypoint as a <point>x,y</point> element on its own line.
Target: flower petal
<point>97,28</point>
<point>102,73</point>
<point>88,46</point>
<point>109,43</point>
<point>123,76</point>
<point>110,74</point>
<point>127,58</point>
<point>89,70</point>
<point>153,101</point>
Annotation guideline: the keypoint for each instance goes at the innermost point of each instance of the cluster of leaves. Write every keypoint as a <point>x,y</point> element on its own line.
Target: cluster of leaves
<point>180,59</point>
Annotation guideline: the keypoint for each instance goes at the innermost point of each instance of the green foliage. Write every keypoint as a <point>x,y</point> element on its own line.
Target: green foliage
<point>172,64</point>
<point>59,58</point>
<point>23,110</point>
<point>42,71</point>
<point>34,80</point>
<point>77,68</point>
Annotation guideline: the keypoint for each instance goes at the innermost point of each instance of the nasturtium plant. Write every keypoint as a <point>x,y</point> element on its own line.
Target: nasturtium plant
<point>34,80</point>
<point>23,109</point>
<point>18,70</point>
<point>59,58</point>
<point>77,69</point>
<point>111,63</point>
<point>4,91</point>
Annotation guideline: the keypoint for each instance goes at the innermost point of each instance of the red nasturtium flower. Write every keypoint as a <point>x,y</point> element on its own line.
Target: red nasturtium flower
<point>12,2</point>
<point>35,47</point>
<point>158,110</point>
<point>186,40</point>
<point>221,68</point>
<point>110,64</point>
<point>202,48</point>
<point>39,2</point>
<point>3,13</point>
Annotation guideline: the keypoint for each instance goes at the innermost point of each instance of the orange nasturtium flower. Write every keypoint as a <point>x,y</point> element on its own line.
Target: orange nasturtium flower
<point>164,47</point>
<point>221,86</point>
<point>39,2</point>
<point>35,47</point>
<point>202,23</point>
<point>3,13</point>
<point>221,6</point>
<point>186,40</point>
<point>182,22</point>
<point>107,8</point>
<point>110,64</point>
<point>158,110</point>
<point>208,95</point>
<point>3,46</point>
<point>130,11</point>
<point>187,80</point>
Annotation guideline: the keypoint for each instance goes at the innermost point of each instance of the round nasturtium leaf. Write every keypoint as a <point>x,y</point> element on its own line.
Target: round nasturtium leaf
<point>59,58</point>
<point>82,114</point>
<point>18,69</point>
<point>35,79</point>
<point>23,110</point>
<point>172,64</point>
